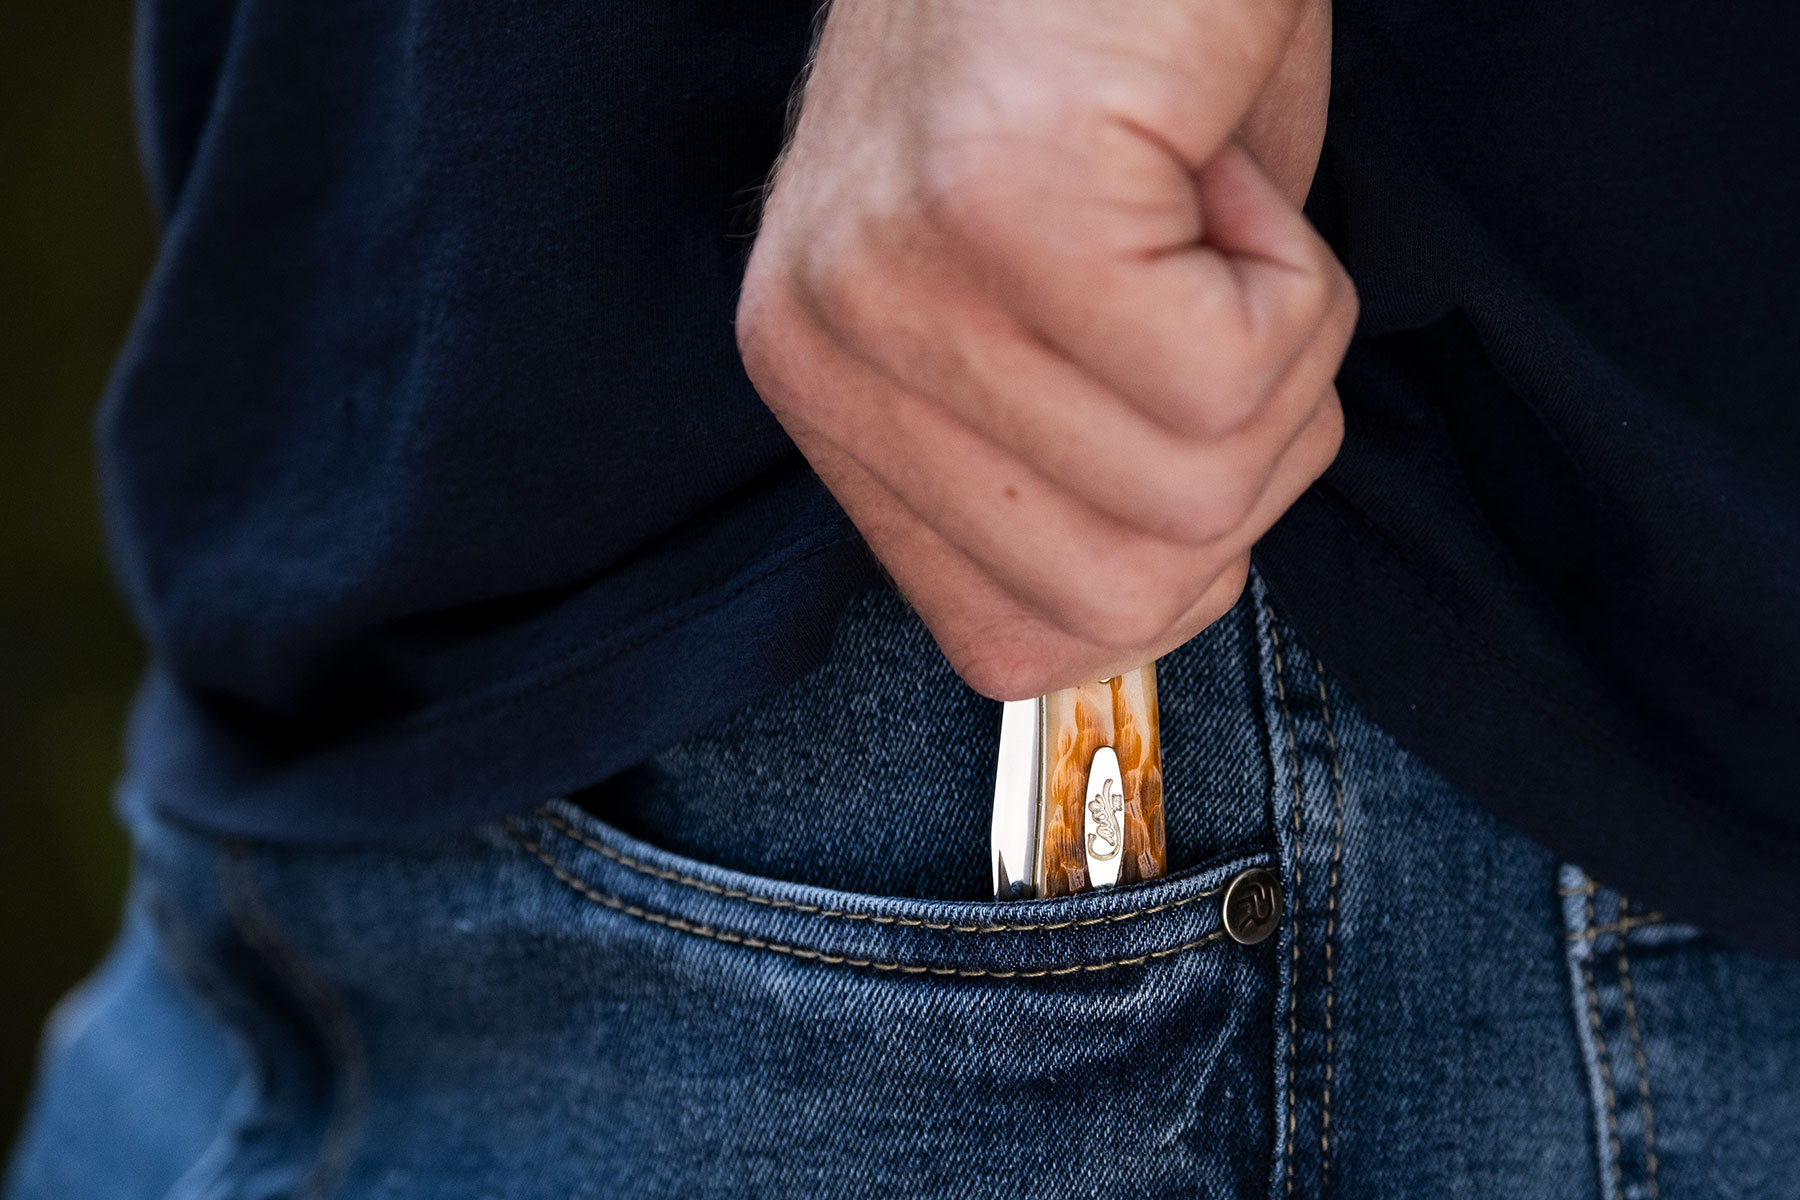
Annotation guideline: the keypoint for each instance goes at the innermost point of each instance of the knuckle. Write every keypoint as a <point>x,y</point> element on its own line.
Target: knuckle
<point>1195,405</point>
<point>1078,616</point>
<point>961,205</point>
<point>1346,309</point>
<point>1115,625</point>
<point>754,301</point>
<point>967,185</point>
<point>1202,522</point>
<point>1157,95</point>
<point>1310,297</point>
<point>763,326</point>
<point>1135,625</point>
<point>1226,590</point>
<point>1002,673</point>
<point>1093,617</point>
<point>1331,431</point>
<point>1245,361</point>
<point>1217,507</point>
<point>1229,406</point>
<point>1230,398</point>
<point>1204,493</point>
<point>1130,600</point>
<point>834,281</point>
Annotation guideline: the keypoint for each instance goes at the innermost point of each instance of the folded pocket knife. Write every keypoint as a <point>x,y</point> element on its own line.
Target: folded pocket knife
<point>1078,791</point>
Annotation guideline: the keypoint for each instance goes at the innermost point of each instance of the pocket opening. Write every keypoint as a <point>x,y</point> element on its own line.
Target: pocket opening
<point>615,876</point>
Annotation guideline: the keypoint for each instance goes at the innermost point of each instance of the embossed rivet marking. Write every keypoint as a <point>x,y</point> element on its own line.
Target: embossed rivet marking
<point>1252,906</point>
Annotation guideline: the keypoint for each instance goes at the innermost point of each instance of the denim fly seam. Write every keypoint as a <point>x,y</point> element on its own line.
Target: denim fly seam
<point>1310,791</point>
<point>1601,928</point>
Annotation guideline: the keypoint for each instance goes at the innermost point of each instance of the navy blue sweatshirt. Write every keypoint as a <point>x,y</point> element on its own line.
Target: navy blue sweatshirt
<point>437,487</point>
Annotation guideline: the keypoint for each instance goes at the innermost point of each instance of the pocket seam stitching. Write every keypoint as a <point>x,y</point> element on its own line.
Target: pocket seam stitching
<point>1612,1151</point>
<point>1622,925</point>
<point>1640,1060</point>
<point>595,896</point>
<point>563,827</point>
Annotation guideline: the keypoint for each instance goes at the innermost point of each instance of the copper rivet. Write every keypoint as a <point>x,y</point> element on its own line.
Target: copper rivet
<point>1252,906</point>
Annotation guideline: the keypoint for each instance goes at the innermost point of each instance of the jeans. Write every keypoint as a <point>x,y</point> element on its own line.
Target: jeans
<point>760,965</point>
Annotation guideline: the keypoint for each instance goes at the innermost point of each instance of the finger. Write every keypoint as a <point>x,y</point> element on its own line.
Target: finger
<point>1196,336</point>
<point>1301,463</point>
<point>1086,573</point>
<point>1082,571</point>
<point>942,350</point>
<point>1042,411</point>
<point>999,646</point>
<point>1123,593</point>
<point>1197,69</point>
<point>1307,386</point>
<point>1286,123</point>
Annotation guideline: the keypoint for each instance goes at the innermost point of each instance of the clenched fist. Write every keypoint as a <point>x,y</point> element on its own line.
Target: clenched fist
<point>1034,296</point>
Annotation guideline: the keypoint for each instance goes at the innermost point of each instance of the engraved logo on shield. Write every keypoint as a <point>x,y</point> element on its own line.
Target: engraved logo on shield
<point>1105,806</point>
<point>1105,817</point>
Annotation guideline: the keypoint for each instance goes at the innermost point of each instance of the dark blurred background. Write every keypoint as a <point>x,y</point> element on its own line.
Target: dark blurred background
<point>75,243</point>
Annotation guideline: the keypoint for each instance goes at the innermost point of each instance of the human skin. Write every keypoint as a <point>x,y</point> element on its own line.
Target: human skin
<point>1034,297</point>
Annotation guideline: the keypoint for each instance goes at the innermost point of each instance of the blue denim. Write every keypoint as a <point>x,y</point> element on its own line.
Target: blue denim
<point>760,966</point>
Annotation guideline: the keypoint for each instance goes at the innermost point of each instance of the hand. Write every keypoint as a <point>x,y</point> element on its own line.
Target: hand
<point>1056,341</point>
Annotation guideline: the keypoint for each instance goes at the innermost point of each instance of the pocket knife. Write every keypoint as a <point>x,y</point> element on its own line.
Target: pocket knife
<point>1078,792</point>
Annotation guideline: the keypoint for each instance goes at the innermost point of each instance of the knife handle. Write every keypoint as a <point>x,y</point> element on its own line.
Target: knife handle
<point>1101,801</point>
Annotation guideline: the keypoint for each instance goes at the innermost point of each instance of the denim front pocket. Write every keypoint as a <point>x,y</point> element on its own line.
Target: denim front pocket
<point>773,982</point>
<point>763,1038</point>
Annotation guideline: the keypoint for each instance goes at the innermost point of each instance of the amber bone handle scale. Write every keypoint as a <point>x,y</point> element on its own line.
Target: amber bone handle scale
<point>1078,793</point>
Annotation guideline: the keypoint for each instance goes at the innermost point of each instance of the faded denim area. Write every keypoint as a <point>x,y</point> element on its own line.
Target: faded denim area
<point>759,966</point>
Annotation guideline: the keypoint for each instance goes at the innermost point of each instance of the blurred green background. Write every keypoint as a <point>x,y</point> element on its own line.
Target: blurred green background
<point>75,243</point>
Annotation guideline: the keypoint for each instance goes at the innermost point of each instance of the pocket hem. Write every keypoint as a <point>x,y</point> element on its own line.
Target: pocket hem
<point>1094,932</point>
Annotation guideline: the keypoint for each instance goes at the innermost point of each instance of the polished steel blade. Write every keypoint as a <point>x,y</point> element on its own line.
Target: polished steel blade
<point>1016,791</point>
